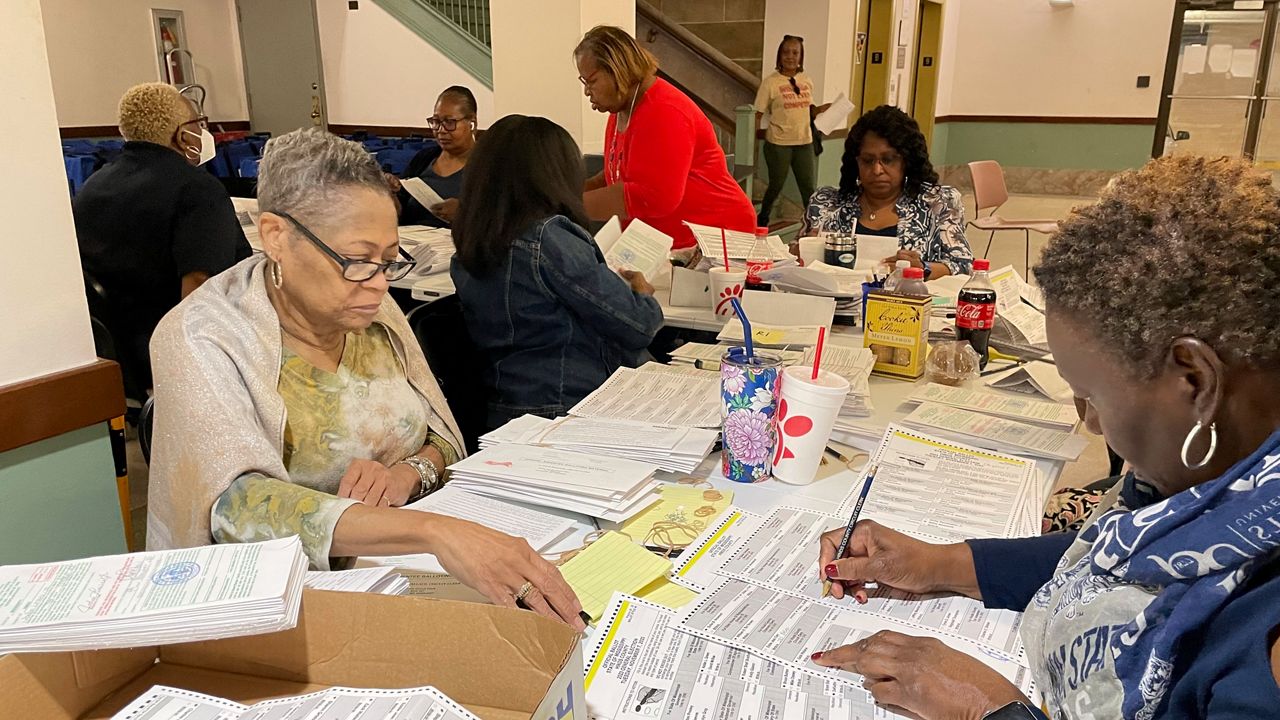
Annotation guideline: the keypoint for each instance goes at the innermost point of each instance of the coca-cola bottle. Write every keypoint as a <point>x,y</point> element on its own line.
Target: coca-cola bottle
<point>759,260</point>
<point>976,310</point>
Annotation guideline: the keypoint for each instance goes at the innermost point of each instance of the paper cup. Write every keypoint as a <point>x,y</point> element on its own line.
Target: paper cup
<point>748,405</point>
<point>811,250</point>
<point>807,412</point>
<point>726,284</point>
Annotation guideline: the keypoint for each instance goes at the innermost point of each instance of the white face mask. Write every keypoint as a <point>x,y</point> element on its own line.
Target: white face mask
<point>207,150</point>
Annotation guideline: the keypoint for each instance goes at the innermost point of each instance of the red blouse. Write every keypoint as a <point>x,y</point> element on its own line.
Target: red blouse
<point>672,169</point>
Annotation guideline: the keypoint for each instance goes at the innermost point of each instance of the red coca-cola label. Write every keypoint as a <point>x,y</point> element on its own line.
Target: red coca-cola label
<point>755,267</point>
<point>976,316</point>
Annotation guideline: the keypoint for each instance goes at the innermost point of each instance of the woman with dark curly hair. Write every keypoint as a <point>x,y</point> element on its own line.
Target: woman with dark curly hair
<point>888,187</point>
<point>1166,604</point>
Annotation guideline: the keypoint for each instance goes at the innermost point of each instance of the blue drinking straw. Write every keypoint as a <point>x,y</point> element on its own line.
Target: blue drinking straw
<point>746,327</point>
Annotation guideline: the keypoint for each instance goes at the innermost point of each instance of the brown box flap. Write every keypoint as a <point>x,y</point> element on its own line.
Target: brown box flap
<point>480,655</point>
<point>58,686</point>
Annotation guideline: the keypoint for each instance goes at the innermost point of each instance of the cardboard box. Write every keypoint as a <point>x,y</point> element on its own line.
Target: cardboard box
<point>501,664</point>
<point>896,329</point>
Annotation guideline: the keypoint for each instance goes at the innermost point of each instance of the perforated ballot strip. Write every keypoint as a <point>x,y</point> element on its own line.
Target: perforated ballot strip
<point>423,703</point>
<point>788,629</point>
<point>641,666</point>
<point>782,555</point>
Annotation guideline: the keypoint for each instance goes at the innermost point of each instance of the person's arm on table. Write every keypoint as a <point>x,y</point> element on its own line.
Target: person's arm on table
<point>256,507</point>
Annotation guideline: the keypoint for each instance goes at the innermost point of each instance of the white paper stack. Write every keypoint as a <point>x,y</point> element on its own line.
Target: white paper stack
<point>609,488</point>
<point>431,247</point>
<point>853,364</point>
<point>380,580</point>
<point>152,598</point>
<point>671,448</point>
<point>656,394</point>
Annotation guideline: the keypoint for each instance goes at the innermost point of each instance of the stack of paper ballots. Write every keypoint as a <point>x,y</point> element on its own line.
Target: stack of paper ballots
<point>609,488</point>
<point>674,449</point>
<point>379,580</point>
<point>853,364</point>
<point>152,598</point>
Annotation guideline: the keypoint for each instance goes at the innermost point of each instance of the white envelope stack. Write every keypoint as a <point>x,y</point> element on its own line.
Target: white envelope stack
<point>378,580</point>
<point>609,488</point>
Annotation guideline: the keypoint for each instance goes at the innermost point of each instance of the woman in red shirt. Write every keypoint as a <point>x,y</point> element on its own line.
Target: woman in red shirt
<point>662,163</point>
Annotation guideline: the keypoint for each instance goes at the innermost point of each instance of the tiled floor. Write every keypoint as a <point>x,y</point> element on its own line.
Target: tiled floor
<point>1006,250</point>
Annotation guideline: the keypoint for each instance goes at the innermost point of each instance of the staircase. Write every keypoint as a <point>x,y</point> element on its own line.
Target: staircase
<point>722,89</point>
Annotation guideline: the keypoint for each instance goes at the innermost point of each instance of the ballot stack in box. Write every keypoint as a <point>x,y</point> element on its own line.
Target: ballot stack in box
<point>673,449</point>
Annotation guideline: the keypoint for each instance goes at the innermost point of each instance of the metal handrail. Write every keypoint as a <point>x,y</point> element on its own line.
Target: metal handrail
<point>471,16</point>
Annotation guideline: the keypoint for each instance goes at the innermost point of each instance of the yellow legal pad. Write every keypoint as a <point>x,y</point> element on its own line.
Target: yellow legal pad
<point>611,564</point>
<point>667,594</point>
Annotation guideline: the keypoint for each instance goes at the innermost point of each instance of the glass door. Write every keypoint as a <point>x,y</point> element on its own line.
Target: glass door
<point>1213,102</point>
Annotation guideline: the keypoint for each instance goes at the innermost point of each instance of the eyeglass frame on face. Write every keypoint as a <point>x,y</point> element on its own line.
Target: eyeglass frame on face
<point>886,162</point>
<point>587,82</point>
<point>345,264</point>
<point>436,124</point>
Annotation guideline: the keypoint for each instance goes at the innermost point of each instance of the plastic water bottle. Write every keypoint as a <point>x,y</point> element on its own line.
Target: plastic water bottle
<point>891,284</point>
<point>912,283</point>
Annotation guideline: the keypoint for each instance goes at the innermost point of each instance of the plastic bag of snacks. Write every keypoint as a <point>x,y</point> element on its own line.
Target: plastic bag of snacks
<point>952,362</point>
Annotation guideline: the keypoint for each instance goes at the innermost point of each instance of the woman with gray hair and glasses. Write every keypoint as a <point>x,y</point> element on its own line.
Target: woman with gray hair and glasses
<point>292,398</point>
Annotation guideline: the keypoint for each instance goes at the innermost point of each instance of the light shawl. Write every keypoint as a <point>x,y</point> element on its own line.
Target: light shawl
<point>218,415</point>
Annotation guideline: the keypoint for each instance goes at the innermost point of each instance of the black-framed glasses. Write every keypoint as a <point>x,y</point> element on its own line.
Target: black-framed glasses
<point>446,124</point>
<point>357,270</point>
<point>202,122</point>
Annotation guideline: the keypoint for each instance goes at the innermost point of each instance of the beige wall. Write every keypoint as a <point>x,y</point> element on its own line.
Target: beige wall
<point>99,49</point>
<point>378,72</point>
<point>1023,57</point>
<point>536,75</point>
<point>42,304</point>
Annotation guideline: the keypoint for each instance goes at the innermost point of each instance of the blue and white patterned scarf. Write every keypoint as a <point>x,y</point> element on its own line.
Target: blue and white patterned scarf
<point>1193,550</point>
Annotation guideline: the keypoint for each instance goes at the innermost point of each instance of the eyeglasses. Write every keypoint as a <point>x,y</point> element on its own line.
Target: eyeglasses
<point>357,270</point>
<point>588,81</point>
<point>888,160</point>
<point>446,124</point>
<point>202,121</point>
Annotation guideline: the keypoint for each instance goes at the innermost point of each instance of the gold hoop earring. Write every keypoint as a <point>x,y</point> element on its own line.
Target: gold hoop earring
<point>1191,436</point>
<point>277,275</point>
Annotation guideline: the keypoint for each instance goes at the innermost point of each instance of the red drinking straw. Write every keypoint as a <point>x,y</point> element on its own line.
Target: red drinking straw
<point>817,352</point>
<point>724,240</point>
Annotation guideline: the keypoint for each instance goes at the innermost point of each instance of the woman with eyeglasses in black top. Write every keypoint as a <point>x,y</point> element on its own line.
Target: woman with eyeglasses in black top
<point>786,97</point>
<point>441,166</point>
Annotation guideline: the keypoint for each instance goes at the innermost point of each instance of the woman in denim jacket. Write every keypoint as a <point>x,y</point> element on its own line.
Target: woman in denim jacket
<point>552,320</point>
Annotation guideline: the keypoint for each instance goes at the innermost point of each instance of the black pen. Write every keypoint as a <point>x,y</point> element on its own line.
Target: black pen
<point>848,530</point>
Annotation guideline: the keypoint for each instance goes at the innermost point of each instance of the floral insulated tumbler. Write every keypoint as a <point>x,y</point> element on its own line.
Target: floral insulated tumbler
<point>749,404</point>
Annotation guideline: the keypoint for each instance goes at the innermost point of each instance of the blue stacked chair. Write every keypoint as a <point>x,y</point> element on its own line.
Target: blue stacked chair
<point>79,168</point>
<point>237,152</point>
<point>394,160</point>
<point>249,167</point>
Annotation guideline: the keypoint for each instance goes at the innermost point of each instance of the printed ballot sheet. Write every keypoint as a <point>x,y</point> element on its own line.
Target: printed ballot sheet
<point>640,247</point>
<point>700,562</point>
<point>1034,378</point>
<point>788,629</point>
<point>930,487</point>
<point>152,598</point>
<point>782,554</point>
<point>1054,414</point>
<point>998,433</point>
<point>424,703</point>
<point>661,398</point>
<point>641,667</point>
<point>426,195</point>
<point>740,243</point>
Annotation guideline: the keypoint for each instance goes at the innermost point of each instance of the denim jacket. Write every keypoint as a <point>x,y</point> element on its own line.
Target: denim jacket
<point>553,322</point>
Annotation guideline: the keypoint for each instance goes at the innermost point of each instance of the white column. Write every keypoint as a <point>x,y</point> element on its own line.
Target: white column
<point>43,312</point>
<point>827,27</point>
<point>533,68</point>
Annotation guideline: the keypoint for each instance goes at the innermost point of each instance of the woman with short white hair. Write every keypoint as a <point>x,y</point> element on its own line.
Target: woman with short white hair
<point>292,398</point>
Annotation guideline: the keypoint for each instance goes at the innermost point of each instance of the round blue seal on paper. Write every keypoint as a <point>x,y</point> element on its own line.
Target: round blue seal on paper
<point>175,573</point>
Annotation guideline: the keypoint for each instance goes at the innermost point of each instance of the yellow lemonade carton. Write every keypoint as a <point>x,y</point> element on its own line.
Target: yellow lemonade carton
<point>897,331</point>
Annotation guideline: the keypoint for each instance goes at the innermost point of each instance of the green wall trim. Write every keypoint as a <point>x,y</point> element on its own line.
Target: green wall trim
<point>456,44</point>
<point>1065,146</point>
<point>58,499</point>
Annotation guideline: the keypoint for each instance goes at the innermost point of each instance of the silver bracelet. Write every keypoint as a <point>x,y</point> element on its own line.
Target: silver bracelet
<point>428,476</point>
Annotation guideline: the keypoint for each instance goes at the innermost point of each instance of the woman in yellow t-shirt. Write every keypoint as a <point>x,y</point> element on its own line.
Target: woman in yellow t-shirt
<point>787,97</point>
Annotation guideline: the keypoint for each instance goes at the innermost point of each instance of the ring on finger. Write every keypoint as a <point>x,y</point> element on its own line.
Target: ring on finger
<point>524,591</point>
